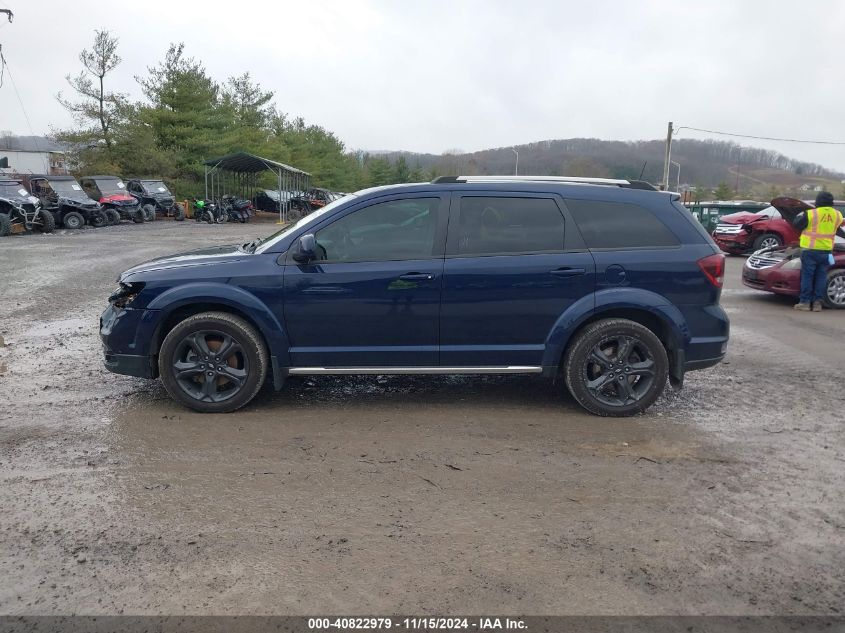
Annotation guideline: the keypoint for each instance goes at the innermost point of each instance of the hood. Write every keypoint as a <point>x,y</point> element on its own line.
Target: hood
<point>742,217</point>
<point>118,198</point>
<point>15,193</point>
<point>80,200</point>
<point>790,207</point>
<point>201,257</point>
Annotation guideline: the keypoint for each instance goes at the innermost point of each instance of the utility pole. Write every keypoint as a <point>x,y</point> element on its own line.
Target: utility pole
<point>516,166</point>
<point>667,158</point>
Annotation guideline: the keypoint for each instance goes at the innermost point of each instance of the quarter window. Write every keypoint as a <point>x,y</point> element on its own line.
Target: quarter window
<point>619,225</point>
<point>509,226</point>
<point>395,230</point>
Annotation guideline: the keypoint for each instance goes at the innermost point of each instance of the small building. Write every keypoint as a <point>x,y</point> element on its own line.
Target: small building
<point>31,155</point>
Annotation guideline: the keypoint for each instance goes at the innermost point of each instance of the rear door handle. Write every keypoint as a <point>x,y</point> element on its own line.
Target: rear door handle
<point>416,277</point>
<point>566,271</point>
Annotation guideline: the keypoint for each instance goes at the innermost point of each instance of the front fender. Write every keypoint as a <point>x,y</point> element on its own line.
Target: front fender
<point>609,300</point>
<point>224,295</point>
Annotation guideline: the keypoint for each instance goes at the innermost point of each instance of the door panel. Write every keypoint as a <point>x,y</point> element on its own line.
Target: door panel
<point>499,309</point>
<point>363,314</point>
<point>344,311</point>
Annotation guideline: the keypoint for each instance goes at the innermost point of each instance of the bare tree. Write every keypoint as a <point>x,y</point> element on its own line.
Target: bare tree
<point>96,103</point>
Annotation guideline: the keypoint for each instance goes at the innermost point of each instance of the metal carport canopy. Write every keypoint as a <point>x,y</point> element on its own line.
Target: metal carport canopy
<point>250,163</point>
<point>246,163</point>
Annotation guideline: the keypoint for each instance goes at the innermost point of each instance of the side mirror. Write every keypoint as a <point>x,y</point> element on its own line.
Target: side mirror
<point>307,249</point>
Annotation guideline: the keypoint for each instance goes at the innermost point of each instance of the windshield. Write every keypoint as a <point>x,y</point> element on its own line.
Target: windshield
<point>155,186</point>
<point>769,212</point>
<point>65,186</point>
<point>311,218</point>
<point>111,186</point>
<point>13,190</point>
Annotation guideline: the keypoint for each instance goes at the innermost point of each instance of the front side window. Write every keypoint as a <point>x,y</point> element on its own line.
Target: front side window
<point>619,225</point>
<point>509,226</point>
<point>395,230</point>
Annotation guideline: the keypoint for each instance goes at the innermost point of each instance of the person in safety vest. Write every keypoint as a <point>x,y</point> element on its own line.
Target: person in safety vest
<point>819,227</point>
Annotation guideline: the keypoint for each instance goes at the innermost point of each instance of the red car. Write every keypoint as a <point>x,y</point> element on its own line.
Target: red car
<point>746,232</point>
<point>778,269</point>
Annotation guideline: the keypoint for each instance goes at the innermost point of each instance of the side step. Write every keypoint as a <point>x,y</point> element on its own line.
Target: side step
<point>318,371</point>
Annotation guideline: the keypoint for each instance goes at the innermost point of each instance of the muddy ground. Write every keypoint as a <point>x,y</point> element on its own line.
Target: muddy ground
<point>401,494</point>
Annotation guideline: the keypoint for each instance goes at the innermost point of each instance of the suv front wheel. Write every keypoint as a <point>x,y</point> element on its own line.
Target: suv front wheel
<point>616,367</point>
<point>213,362</point>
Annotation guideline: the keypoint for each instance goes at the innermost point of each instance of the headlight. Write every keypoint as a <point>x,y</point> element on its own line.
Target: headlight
<point>792,264</point>
<point>125,294</point>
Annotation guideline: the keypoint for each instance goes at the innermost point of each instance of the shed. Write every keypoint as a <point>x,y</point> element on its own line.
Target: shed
<point>237,173</point>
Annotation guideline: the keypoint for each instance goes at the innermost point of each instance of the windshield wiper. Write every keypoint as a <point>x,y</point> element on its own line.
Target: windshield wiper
<point>250,247</point>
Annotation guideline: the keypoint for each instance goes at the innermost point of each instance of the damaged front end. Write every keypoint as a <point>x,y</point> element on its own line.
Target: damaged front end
<point>125,294</point>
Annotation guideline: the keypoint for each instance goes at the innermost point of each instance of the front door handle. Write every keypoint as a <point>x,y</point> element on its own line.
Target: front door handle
<point>566,271</point>
<point>416,277</point>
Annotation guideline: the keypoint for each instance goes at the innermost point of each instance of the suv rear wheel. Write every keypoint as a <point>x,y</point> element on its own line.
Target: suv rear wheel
<point>616,367</point>
<point>213,362</point>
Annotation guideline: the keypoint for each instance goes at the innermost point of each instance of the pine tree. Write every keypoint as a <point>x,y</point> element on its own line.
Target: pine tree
<point>723,192</point>
<point>98,109</point>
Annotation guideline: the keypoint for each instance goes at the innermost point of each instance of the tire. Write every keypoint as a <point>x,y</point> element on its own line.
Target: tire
<point>178,213</point>
<point>5,224</point>
<point>595,379</point>
<point>767,240</point>
<point>112,217</point>
<point>138,216</point>
<point>183,347</point>
<point>97,219</point>
<point>47,221</point>
<point>834,297</point>
<point>73,220</point>
<point>149,213</point>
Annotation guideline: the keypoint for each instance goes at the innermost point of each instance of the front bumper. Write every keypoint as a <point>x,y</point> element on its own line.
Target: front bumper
<point>734,243</point>
<point>129,365</point>
<point>123,348</point>
<point>775,279</point>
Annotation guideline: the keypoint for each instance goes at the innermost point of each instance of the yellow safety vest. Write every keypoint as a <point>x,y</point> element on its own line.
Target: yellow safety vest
<point>821,228</point>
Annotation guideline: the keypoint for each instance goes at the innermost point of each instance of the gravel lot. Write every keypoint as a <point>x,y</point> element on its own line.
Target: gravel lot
<point>401,494</point>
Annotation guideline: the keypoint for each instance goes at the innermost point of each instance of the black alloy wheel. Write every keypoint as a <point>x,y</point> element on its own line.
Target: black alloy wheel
<point>616,367</point>
<point>213,362</point>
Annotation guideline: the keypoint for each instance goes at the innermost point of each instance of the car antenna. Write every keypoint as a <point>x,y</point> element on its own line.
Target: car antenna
<point>642,171</point>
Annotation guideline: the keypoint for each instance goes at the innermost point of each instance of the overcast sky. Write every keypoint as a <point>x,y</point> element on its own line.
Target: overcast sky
<point>432,76</point>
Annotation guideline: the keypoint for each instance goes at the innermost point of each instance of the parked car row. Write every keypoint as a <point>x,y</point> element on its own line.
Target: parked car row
<point>750,231</point>
<point>766,233</point>
<point>43,202</point>
<point>776,265</point>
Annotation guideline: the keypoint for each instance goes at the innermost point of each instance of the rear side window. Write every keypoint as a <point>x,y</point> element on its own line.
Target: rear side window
<point>509,226</point>
<point>619,225</point>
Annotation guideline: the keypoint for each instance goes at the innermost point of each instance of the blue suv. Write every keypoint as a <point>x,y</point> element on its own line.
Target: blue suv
<point>609,285</point>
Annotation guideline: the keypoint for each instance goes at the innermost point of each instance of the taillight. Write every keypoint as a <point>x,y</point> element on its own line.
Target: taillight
<point>713,267</point>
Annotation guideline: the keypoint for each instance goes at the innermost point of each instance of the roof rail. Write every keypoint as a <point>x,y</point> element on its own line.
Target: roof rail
<point>613,182</point>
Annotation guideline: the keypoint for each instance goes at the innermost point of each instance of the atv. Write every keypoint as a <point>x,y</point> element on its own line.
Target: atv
<point>63,197</point>
<point>155,198</point>
<point>110,192</point>
<point>18,208</point>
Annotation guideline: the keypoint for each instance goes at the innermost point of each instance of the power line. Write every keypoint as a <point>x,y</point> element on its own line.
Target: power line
<point>760,138</point>
<point>20,101</point>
